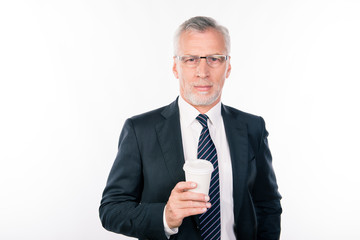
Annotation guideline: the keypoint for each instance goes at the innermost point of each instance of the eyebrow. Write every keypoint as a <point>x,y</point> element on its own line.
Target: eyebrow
<point>204,55</point>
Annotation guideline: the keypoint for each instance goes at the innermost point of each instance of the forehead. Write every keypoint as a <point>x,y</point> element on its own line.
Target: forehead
<point>193,42</point>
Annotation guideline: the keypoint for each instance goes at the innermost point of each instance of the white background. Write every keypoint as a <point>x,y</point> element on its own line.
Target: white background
<point>71,72</point>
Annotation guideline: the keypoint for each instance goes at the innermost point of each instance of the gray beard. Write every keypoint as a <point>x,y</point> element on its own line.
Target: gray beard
<point>201,100</point>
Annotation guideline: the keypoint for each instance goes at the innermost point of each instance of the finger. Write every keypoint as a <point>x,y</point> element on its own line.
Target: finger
<point>184,186</point>
<point>179,214</point>
<point>194,204</point>
<point>189,204</point>
<point>193,196</point>
<point>193,211</point>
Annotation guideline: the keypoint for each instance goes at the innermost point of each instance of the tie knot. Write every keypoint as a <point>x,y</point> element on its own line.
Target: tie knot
<point>202,118</point>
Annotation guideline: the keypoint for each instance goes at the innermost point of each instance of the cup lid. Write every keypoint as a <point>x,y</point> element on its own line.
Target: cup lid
<point>198,166</point>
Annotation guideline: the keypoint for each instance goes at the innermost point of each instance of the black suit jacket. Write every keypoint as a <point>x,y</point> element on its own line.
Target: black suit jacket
<point>150,162</point>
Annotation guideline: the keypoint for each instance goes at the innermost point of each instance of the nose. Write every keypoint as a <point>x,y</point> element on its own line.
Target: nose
<point>202,70</point>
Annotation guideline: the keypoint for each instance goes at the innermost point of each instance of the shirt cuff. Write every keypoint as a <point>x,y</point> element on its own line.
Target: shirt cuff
<point>168,231</point>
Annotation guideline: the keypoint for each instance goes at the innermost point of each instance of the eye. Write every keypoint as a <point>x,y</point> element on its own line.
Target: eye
<point>215,59</point>
<point>189,59</point>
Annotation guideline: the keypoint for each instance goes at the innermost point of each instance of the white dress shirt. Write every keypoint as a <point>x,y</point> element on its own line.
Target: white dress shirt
<point>190,133</point>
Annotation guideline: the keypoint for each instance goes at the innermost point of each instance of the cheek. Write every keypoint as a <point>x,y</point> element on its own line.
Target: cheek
<point>220,77</point>
<point>183,82</point>
<point>185,76</point>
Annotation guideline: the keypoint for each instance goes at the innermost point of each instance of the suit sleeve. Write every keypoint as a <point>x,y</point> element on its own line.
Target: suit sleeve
<point>121,209</point>
<point>265,193</point>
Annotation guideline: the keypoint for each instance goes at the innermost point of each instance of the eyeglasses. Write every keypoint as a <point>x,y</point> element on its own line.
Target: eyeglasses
<point>211,60</point>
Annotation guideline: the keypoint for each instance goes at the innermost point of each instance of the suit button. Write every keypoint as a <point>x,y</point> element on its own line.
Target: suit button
<point>197,227</point>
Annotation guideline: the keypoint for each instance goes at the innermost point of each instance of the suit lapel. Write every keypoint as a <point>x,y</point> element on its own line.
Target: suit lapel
<point>236,134</point>
<point>169,136</point>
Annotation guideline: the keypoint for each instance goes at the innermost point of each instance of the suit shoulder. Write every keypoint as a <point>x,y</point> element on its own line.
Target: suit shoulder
<point>241,115</point>
<point>147,120</point>
<point>254,124</point>
<point>148,116</point>
<point>154,116</point>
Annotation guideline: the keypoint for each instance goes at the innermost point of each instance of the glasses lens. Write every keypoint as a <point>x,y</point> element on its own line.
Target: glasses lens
<point>190,60</point>
<point>215,60</point>
<point>193,61</point>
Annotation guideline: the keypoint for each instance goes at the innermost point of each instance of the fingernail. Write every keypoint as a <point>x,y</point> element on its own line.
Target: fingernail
<point>208,205</point>
<point>207,198</point>
<point>193,184</point>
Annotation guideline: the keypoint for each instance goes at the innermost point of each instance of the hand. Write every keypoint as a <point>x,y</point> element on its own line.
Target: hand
<point>183,203</point>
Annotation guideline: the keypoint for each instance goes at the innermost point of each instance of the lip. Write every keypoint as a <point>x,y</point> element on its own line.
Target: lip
<point>203,88</point>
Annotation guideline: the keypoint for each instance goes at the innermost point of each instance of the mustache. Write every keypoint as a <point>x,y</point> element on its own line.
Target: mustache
<point>202,82</point>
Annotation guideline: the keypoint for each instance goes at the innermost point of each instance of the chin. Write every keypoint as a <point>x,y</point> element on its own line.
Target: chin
<point>201,99</point>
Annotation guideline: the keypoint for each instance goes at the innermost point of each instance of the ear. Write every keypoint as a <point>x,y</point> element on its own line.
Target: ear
<point>175,70</point>
<point>228,70</point>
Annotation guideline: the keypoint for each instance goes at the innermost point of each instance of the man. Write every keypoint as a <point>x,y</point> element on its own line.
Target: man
<point>146,195</point>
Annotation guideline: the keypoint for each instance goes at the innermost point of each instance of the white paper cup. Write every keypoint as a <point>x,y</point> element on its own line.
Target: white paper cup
<point>199,171</point>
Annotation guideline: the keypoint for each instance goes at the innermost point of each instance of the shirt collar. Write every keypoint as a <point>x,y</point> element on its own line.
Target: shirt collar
<point>188,113</point>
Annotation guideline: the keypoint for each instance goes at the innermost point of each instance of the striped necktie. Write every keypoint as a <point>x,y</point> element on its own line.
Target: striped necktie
<point>210,220</point>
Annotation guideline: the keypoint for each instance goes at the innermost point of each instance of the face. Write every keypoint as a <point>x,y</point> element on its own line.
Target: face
<point>201,86</point>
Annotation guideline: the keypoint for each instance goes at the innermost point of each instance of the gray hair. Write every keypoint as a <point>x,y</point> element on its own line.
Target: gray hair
<point>201,24</point>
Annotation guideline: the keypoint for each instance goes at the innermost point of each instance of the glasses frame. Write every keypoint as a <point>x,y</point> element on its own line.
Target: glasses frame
<point>198,59</point>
